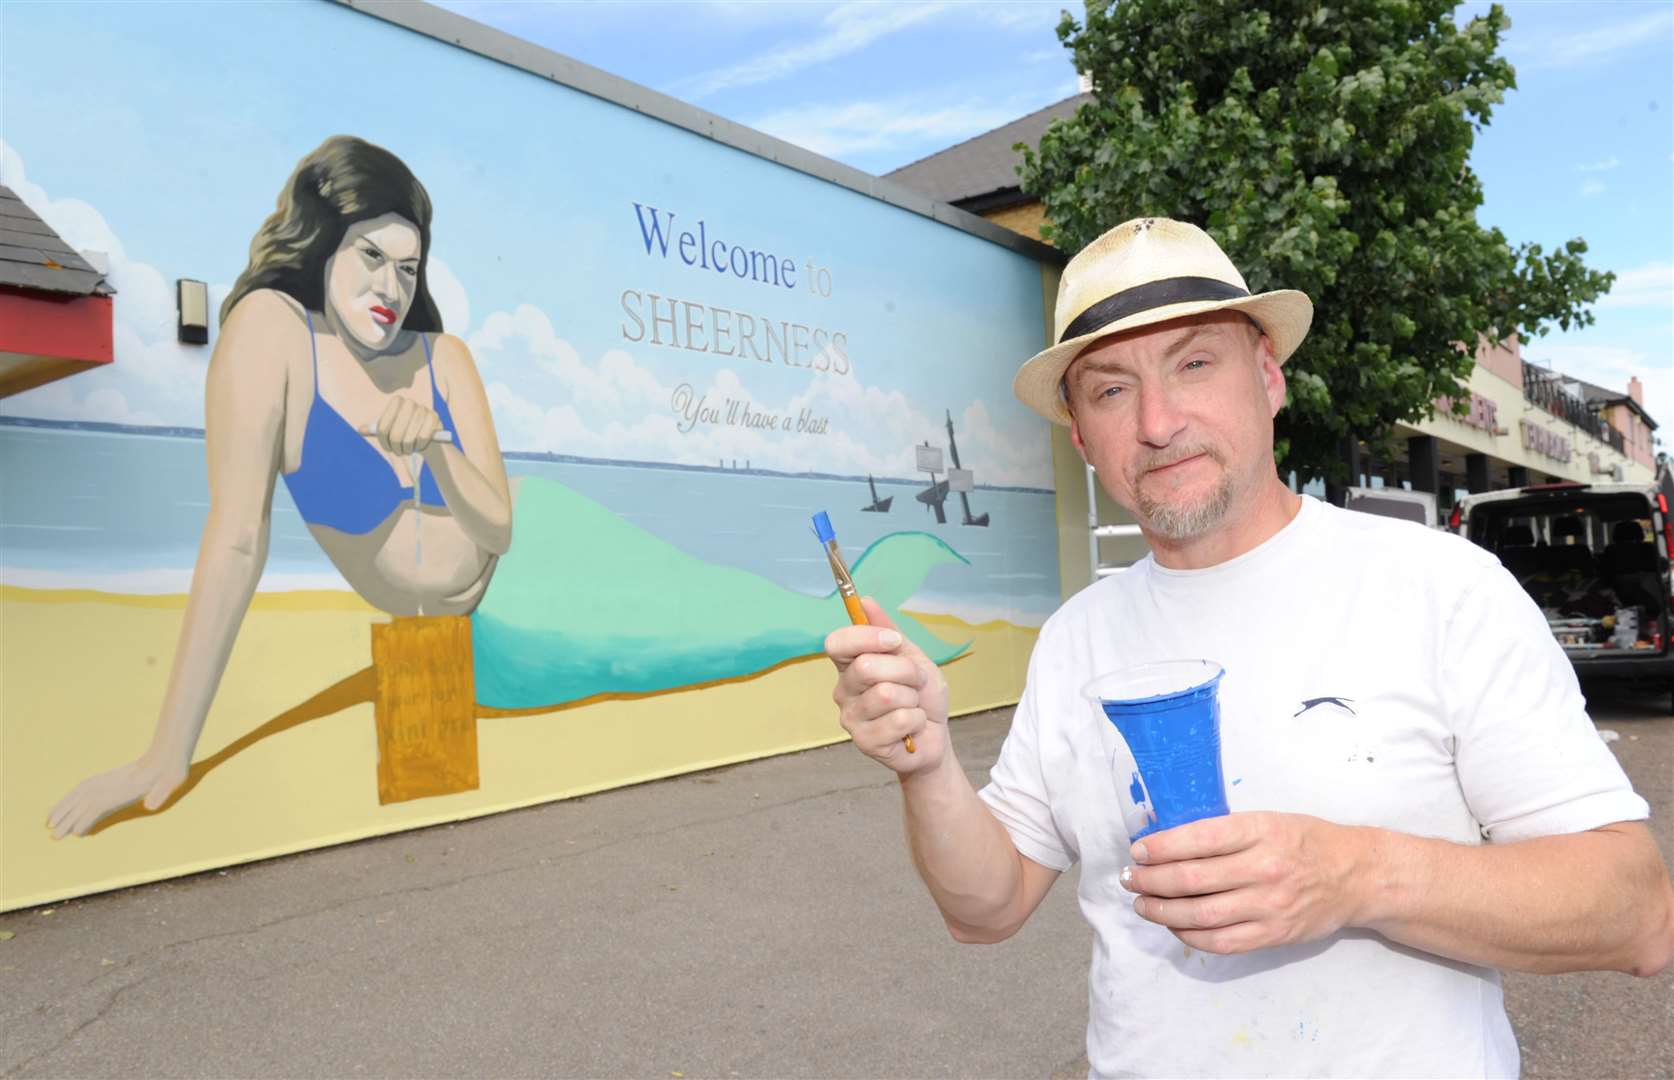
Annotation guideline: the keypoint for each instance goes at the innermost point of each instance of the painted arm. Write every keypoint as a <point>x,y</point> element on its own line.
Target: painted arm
<point>243,436</point>
<point>473,481</point>
<point>886,690</point>
<point>1588,901</point>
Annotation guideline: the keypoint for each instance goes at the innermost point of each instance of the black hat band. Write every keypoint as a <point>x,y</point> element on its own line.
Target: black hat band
<point>1152,294</point>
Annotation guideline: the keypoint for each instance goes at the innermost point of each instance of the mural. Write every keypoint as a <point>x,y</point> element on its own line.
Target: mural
<point>380,559</point>
<point>329,372</point>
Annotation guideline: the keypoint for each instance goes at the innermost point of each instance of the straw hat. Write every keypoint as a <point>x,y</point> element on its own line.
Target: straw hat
<point>1146,271</point>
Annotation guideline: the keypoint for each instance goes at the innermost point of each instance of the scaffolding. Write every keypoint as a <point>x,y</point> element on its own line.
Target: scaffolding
<point>1099,530</point>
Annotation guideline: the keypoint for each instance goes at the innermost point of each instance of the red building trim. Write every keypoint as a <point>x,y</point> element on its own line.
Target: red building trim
<point>46,336</point>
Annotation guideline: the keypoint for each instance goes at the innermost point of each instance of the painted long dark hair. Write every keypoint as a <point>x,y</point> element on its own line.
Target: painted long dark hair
<point>344,181</point>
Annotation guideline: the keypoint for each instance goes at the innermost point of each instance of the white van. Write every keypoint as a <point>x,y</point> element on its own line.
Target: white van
<point>1595,557</point>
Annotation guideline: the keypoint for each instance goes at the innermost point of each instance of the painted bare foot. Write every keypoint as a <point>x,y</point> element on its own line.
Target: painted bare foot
<point>97,796</point>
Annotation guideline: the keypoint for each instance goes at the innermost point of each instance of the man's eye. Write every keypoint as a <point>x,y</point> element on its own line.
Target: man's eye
<point>1193,365</point>
<point>1110,392</point>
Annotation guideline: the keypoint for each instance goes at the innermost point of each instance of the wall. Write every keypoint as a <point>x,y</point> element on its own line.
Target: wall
<point>1025,219</point>
<point>1502,358</point>
<point>1636,434</point>
<point>606,576</point>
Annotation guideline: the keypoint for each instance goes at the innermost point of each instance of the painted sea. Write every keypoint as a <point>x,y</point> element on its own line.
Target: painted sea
<point>122,511</point>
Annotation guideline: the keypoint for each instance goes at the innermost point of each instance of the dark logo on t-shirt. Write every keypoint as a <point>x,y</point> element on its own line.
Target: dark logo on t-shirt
<point>1341,703</point>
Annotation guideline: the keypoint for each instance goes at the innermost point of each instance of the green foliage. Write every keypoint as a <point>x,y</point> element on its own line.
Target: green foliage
<point>1326,148</point>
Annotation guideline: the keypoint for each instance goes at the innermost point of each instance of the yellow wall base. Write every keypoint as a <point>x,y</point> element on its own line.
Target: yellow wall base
<point>289,757</point>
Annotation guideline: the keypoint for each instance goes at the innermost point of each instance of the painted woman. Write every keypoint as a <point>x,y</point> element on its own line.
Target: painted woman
<point>331,372</point>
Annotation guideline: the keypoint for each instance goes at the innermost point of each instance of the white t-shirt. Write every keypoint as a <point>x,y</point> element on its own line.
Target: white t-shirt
<point>1457,716</point>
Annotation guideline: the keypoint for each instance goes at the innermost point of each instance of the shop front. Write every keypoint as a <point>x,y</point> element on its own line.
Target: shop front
<point>1515,424</point>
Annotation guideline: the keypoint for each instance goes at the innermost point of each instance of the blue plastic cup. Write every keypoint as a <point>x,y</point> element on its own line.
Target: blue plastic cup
<point>1169,717</point>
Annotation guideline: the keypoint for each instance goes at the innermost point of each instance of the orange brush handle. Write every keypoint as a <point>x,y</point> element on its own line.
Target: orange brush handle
<point>857,616</point>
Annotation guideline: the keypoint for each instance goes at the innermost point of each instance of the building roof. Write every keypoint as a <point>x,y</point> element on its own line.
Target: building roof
<point>32,256</point>
<point>983,165</point>
<point>1598,396</point>
<point>1610,397</point>
<point>1589,391</point>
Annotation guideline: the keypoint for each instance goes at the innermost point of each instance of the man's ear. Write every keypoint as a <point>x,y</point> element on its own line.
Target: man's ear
<point>1069,407</point>
<point>1075,438</point>
<point>1272,375</point>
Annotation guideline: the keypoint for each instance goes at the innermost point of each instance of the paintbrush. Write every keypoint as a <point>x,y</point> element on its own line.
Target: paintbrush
<point>845,584</point>
<point>440,436</point>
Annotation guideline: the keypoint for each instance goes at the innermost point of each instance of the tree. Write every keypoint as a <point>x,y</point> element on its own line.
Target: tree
<point>1326,148</point>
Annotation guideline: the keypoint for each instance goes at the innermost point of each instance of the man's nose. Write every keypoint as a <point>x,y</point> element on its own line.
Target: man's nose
<point>1160,418</point>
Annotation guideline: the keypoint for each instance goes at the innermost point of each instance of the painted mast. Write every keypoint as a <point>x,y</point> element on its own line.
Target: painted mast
<point>879,506</point>
<point>964,490</point>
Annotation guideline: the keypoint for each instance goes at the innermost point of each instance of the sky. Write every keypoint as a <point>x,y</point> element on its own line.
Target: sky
<point>1584,147</point>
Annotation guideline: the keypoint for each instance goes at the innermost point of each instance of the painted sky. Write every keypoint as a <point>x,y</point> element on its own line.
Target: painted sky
<point>536,240</point>
<point>1583,147</point>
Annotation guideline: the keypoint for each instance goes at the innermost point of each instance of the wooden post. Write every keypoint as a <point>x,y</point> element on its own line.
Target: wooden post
<point>426,707</point>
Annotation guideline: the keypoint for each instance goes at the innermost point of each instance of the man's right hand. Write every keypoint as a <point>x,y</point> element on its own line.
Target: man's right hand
<point>887,689</point>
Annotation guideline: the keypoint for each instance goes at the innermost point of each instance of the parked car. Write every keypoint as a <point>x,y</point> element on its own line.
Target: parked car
<point>1419,506</point>
<point>1595,557</point>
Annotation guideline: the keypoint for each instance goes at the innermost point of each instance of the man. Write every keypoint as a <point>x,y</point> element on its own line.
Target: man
<point>1418,796</point>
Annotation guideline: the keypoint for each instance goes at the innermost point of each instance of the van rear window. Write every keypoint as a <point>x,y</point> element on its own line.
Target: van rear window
<point>1590,562</point>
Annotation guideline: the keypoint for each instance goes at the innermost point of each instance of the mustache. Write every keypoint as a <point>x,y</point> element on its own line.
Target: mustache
<point>1162,459</point>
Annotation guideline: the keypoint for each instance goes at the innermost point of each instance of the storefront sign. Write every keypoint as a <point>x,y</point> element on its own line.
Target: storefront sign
<point>1546,443</point>
<point>1483,413</point>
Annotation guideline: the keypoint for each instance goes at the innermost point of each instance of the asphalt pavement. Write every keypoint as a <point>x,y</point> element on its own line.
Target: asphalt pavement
<point>759,920</point>
<point>1602,1024</point>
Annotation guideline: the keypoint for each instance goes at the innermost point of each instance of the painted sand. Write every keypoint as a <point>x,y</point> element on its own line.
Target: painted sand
<point>292,748</point>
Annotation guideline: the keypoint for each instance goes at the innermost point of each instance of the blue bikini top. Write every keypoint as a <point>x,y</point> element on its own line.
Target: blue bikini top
<point>344,483</point>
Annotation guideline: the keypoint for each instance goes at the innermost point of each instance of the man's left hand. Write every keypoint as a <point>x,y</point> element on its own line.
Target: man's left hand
<point>1249,881</point>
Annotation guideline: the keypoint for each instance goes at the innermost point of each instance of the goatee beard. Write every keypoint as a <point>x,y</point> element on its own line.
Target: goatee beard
<point>1181,521</point>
